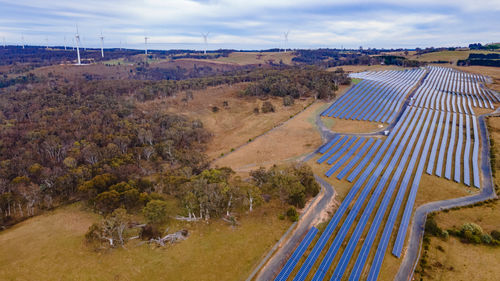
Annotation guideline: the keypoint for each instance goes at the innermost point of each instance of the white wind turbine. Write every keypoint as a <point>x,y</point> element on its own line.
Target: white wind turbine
<point>77,40</point>
<point>286,38</point>
<point>47,41</point>
<point>205,39</point>
<point>22,40</point>
<point>102,45</point>
<point>146,44</point>
<point>65,42</point>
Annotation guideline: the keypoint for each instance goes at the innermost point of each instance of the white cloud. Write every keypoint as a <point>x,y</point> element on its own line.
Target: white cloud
<point>256,24</point>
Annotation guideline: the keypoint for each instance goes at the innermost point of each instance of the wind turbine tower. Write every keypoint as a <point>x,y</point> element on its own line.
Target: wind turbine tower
<point>22,40</point>
<point>77,40</point>
<point>286,39</point>
<point>146,45</point>
<point>205,39</point>
<point>102,45</point>
<point>47,41</point>
<point>65,42</point>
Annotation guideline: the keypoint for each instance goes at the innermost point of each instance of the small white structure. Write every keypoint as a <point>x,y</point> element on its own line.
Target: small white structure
<point>77,40</point>
<point>386,132</point>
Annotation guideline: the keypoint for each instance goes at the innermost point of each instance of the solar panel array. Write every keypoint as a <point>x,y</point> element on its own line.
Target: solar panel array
<point>437,133</point>
<point>378,98</point>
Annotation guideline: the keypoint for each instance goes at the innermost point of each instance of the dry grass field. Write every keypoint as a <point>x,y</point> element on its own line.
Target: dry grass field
<point>233,125</point>
<point>361,68</point>
<point>462,262</point>
<point>295,138</point>
<point>51,247</point>
<point>452,56</point>
<point>248,58</point>
<point>245,58</point>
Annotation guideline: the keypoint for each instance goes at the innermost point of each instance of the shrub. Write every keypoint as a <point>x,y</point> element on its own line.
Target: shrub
<point>473,228</point>
<point>267,107</point>
<point>292,214</point>
<point>215,109</point>
<point>149,231</point>
<point>495,234</point>
<point>288,101</point>
<point>486,238</point>
<point>256,110</point>
<point>432,228</point>
<point>155,211</point>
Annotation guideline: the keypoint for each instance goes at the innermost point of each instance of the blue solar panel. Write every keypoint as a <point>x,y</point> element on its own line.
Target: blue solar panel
<point>458,151</point>
<point>475,154</point>
<point>341,151</point>
<point>347,108</point>
<point>467,152</point>
<point>451,148</point>
<point>297,254</point>
<point>344,99</point>
<point>333,150</point>
<point>329,144</point>
<point>359,155</point>
<point>343,159</point>
<point>432,157</point>
<point>439,167</point>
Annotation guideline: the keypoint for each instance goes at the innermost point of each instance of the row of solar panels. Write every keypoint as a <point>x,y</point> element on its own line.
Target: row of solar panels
<point>381,176</point>
<point>440,83</point>
<point>376,101</point>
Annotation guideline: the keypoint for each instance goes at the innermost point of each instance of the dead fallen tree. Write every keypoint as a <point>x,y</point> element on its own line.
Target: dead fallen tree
<point>170,238</point>
<point>190,218</point>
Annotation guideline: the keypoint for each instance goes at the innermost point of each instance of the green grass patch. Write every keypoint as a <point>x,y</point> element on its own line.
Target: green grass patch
<point>355,81</point>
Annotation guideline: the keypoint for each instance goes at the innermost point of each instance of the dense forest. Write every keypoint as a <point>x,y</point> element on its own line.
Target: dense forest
<point>481,59</point>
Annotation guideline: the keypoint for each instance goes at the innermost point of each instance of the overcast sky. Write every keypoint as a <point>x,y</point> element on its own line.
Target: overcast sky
<point>252,24</point>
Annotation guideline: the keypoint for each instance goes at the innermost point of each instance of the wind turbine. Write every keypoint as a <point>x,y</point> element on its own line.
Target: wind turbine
<point>205,39</point>
<point>47,41</point>
<point>146,44</point>
<point>77,40</point>
<point>286,38</point>
<point>65,42</point>
<point>102,45</point>
<point>22,40</point>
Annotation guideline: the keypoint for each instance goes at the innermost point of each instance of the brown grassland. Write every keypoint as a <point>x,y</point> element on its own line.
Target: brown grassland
<point>452,56</point>
<point>51,247</point>
<point>248,58</point>
<point>295,138</point>
<point>233,125</point>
